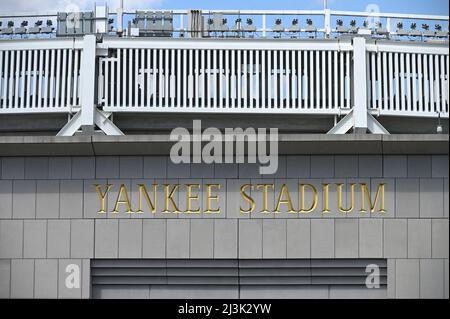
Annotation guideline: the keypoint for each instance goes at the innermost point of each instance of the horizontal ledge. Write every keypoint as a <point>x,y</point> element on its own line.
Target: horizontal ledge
<point>289,144</point>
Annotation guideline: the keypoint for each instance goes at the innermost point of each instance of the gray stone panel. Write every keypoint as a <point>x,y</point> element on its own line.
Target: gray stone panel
<point>154,238</point>
<point>11,238</point>
<point>83,167</point>
<point>58,238</point>
<point>419,166</point>
<point>298,238</point>
<point>24,199</point>
<point>407,284</point>
<point>71,199</point>
<point>322,238</point>
<point>298,166</point>
<point>395,166</point>
<point>346,166</point>
<point>35,238</point>
<point>439,166</point>
<point>432,278</point>
<point>178,170</point>
<point>155,166</point>
<point>131,167</point>
<point>46,278</point>
<point>47,199</point>
<point>82,238</point>
<point>322,166</point>
<point>5,278</point>
<point>346,238</point>
<point>225,238</point>
<point>107,167</point>
<point>395,238</point>
<point>36,167</point>
<point>130,238</point>
<point>370,166</point>
<point>5,199</point>
<point>431,198</point>
<point>59,167</point>
<point>419,238</point>
<point>178,232</point>
<point>250,238</point>
<point>22,278</point>
<point>439,238</point>
<point>274,238</point>
<point>13,168</point>
<point>224,170</point>
<point>370,238</point>
<point>202,238</point>
<point>406,199</point>
<point>106,238</point>
<point>202,170</point>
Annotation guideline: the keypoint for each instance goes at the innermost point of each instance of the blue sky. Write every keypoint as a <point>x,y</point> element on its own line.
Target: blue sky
<point>438,7</point>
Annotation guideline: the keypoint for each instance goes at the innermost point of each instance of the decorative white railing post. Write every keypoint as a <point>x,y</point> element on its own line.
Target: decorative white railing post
<point>359,119</point>
<point>359,85</point>
<point>88,83</point>
<point>89,116</point>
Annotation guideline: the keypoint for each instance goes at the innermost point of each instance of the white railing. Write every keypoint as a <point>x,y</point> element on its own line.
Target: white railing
<point>308,77</point>
<point>234,77</point>
<point>408,80</point>
<point>40,76</point>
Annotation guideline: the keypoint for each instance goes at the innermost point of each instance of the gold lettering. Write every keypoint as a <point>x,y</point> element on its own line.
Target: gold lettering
<point>313,206</point>
<point>247,198</point>
<point>365,194</point>
<point>325,190</point>
<point>168,197</point>
<point>284,189</point>
<point>190,198</point>
<point>265,188</point>
<point>102,197</point>
<point>143,190</point>
<point>209,198</point>
<point>352,198</point>
<point>119,200</point>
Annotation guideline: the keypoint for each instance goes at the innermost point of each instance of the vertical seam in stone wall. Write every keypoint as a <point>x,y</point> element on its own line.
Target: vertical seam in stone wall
<point>420,191</point>
<point>213,236</point>
<point>46,238</point>
<point>420,289</point>
<point>142,237</point>
<point>70,238</point>
<point>23,239</point>
<point>118,237</point>
<point>57,278</point>
<point>10,278</point>
<point>407,237</point>
<point>34,278</point>
<point>190,238</point>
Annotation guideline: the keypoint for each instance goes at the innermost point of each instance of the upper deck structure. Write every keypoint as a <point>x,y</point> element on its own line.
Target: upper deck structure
<point>128,72</point>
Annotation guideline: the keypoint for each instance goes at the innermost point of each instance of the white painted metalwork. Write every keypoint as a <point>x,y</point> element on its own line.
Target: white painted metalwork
<point>91,80</point>
<point>39,78</point>
<point>289,70</point>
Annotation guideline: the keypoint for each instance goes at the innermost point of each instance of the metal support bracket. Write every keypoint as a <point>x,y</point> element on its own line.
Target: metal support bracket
<point>348,122</point>
<point>101,120</point>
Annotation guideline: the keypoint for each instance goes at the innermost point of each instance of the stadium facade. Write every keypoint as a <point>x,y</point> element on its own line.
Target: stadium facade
<point>93,206</point>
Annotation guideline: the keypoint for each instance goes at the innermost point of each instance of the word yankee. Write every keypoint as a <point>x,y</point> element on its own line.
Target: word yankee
<point>255,198</point>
